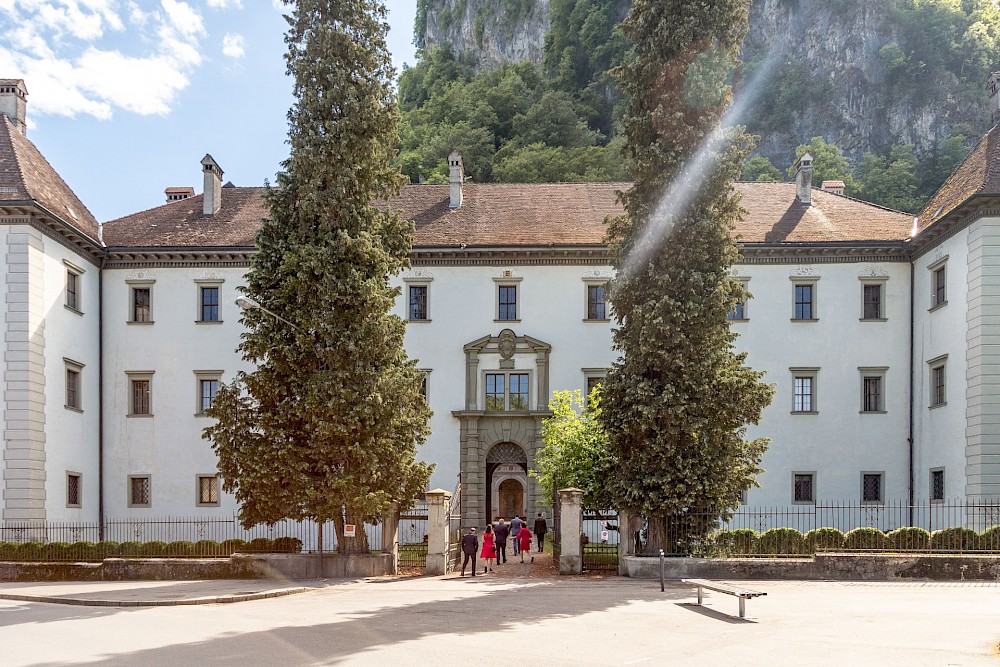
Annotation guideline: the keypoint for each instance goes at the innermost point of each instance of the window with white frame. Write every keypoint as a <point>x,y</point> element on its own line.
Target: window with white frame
<point>140,400</point>
<point>872,300</point>
<point>207,385</point>
<point>873,389</point>
<point>74,489</point>
<point>140,301</point>
<point>597,307</point>
<point>939,283</point>
<point>209,304</point>
<point>804,487</point>
<point>937,370</point>
<point>739,312</point>
<point>417,310</point>
<point>804,390</point>
<point>508,292</point>
<point>937,484</point>
<point>804,300</point>
<point>74,370</point>
<point>208,491</point>
<point>506,391</point>
<point>872,487</point>
<point>73,280</point>
<point>140,491</point>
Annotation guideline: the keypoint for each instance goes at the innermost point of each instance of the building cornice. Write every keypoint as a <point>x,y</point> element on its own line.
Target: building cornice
<point>972,209</point>
<point>31,213</point>
<point>179,257</point>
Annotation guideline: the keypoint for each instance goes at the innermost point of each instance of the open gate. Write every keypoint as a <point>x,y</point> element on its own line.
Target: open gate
<point>601,535</point>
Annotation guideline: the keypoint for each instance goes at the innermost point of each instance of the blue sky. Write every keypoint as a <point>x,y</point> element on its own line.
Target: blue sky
<point>126,96</point>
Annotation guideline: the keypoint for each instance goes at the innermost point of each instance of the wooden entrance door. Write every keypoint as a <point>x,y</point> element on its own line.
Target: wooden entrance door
<point>511,494</point>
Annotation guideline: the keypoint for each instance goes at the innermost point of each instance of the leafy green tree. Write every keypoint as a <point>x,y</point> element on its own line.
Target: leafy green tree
<point>553,120</point>
<point>538,163</point>
<point>948,154</point>
<point>758,168</point>
<point>327,425</point>
<point>828,162</point>
<point>575,449</point>
<point>677,403</point>
<point>889,181</point>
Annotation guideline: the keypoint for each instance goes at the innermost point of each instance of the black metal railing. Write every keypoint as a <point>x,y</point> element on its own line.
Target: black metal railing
<point>413,538</point>
<point>959,526</point>
<point>599,541</point>
<point>164,537</point>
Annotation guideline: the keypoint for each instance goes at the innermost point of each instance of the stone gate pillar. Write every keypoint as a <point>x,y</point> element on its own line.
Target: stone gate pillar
<point>437,531</point>
<point>570,529</point>
<point>390,535</point>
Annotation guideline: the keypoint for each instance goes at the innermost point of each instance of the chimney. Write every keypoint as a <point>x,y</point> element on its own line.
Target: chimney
<point>176,194</point>
<point>803,179</point>
<point>835,187</point>
<point>456,175</point>
<point>13,102</point>
<point>213,186</point>
<point>991,85</point>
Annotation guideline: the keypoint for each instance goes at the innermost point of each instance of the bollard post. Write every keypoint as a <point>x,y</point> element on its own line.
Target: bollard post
<point>661,570</point>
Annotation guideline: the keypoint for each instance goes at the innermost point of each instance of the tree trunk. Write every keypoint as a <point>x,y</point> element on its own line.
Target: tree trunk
<point>351,545</point>
<point>656,536</point>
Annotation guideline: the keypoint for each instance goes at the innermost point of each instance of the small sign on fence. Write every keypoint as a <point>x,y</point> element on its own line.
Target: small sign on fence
<point>604,536</point>
<point>348,530</point>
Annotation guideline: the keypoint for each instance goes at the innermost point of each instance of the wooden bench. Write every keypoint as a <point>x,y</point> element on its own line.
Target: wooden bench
<point>742,593</point>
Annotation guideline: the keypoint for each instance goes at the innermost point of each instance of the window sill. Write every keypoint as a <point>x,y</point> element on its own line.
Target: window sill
<point>937,306</point>
<point>805,412</point>
<point>138,323</point>
<point>937,405</point>
<point>871,412</point>
<point>872,503</point>
<point>588,320</point>
<point>139,507</point>
<point>509,321</point>
<point>73,409</point>
<point>803,502</point>
<point>206,505</point>
<point>423,321</point>
<point>203,415</point>
<point>72,309</point>
<point>139,416</point>
<point>208,321</point>
<point>738,319</point>
<point>873,319</point>
<point>74,507</point>
<point>803,319</point>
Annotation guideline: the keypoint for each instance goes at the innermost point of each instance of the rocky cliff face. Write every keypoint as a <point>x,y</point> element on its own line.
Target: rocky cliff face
<point>820,64</point>
<point>489,33</point>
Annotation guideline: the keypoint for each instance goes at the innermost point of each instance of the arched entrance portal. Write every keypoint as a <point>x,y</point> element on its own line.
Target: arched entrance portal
<point>507,480</point>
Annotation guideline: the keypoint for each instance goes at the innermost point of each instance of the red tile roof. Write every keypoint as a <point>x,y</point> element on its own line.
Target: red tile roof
<point>520,215</point>
<point>25,175</point>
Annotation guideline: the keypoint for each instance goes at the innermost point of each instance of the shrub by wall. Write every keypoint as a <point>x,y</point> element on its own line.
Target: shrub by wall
<point>955,539</point>
<point>908,539</point>
<point>781,541</point>
<point>864,538</point>
<point>824,539</point>
<point>989,539</point>
<point>736,542</point>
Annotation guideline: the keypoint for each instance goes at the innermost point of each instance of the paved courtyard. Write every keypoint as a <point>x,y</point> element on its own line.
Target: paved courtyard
<point>495,620</point>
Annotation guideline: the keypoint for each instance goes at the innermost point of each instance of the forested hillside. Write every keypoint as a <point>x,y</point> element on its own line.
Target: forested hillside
<point>522,88</point>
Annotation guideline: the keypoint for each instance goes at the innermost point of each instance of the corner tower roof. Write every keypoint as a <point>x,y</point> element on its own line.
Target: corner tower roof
<point>27,177</point>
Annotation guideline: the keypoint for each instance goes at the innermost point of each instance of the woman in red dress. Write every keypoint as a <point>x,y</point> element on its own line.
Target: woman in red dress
<point>524,535</point>
<point>489,552</point>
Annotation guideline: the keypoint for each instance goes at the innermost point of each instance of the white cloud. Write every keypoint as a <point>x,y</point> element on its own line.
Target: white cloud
<point>225,4</point>
<point>232,45</point>
<point>63,49</point>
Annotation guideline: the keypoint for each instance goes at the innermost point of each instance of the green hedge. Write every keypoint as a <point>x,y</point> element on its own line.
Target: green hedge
<point>90,551</point>
<point>824,539</point>
<point>781,541</point>
<point>955,539</point>
<point>908,539</point>
<point>864,538</point>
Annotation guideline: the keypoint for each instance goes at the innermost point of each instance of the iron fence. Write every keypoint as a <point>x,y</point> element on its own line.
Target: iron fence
<point>413,537</point>
<point>217,536</point>
<point>958,526</point>
<point>599,541</point>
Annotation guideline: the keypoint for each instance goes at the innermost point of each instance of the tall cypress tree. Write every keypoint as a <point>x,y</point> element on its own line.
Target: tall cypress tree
<point>328,423</point>
<point>677,403</point>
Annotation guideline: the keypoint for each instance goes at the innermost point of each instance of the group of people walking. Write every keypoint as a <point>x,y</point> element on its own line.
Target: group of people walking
<point>495,536</point>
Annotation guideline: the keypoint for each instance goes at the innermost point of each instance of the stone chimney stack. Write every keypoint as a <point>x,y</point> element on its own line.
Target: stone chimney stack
<point>803,179</point>
<point>213,186</point>
<point>456,175</point>
<point>14,102</point>
<point>991,85</point>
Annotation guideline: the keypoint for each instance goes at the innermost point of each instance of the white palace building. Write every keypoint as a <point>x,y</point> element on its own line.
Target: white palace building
<point>880,332</point>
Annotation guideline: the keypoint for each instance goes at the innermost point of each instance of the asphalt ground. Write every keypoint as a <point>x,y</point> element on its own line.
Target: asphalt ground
<point>508,618</point>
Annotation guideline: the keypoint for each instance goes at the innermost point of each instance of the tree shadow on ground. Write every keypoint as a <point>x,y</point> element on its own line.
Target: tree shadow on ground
<point>505,604</point>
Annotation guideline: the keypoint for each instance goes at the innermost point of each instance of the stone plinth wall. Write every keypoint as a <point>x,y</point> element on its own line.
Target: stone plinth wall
<point>264,566</point>
<point>826,567</point>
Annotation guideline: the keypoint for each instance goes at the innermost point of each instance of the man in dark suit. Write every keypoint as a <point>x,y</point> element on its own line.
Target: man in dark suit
<point>515,527</point>
<point>502,531</point>
<point>540,529</point>
<point>470,547</point>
